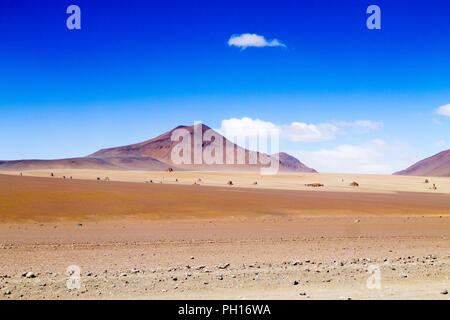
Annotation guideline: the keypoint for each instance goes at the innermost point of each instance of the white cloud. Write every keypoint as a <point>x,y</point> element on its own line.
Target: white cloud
<point>346,159</point>
<point>444,110</point>
<point>373,157</point>
<point>296,131</point>
<point>303,132</point>
<point>252,40</point>
<point>245,127</point>
<point>362,124</point>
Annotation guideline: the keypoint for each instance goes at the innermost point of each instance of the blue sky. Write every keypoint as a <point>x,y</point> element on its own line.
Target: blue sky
<point>138,69</point>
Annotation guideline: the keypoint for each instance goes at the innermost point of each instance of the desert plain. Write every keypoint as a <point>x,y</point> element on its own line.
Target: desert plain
<point>194,235</point>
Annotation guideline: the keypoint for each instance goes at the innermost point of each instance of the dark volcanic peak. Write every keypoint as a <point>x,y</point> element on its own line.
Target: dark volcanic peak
<point>437,166</point>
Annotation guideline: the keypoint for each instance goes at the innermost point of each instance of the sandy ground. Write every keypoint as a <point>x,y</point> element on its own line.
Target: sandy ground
<point>287,181</point>
<point>168,241</point>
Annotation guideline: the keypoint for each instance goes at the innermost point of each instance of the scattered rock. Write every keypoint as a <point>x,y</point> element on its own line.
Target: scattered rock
<point>295,282</point>
<point>224,266</point>
<point>302,294</point>
<point>297,262</point>
<point>220,277</point>
<point>357,221</point>
<point>444,291</point>
<point>30,275</point>
<point>315,185</point>
<point>354,184</point>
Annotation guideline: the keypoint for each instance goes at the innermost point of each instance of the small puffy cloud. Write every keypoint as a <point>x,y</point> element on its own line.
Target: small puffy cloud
<point>444,110</point>
<point>246,127</point>
<point>252,40</point>
<point>361,124</point>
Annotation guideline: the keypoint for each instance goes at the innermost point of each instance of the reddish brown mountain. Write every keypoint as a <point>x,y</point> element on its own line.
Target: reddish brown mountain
<point>156,154</point>
<point>293,164</point>
<point>160,148</point>
<point>435,166</point>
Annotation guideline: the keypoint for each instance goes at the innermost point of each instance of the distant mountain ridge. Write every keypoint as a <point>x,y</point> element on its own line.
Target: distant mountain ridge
<point>155,154</point>
<point>434,166</point>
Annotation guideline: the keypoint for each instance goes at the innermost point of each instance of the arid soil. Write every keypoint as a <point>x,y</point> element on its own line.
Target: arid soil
<point>168,241</point>
<point>284,181</point>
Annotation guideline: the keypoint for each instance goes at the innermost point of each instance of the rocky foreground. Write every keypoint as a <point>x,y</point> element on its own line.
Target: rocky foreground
<point>402,277</point>
<point>247,260</point>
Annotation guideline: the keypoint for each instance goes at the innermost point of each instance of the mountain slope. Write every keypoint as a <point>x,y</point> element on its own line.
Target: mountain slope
<point>119,163</point>
<point>156,154</point>
<point>289,162</point>
<point>437,166</point>
<point>161,147</point>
